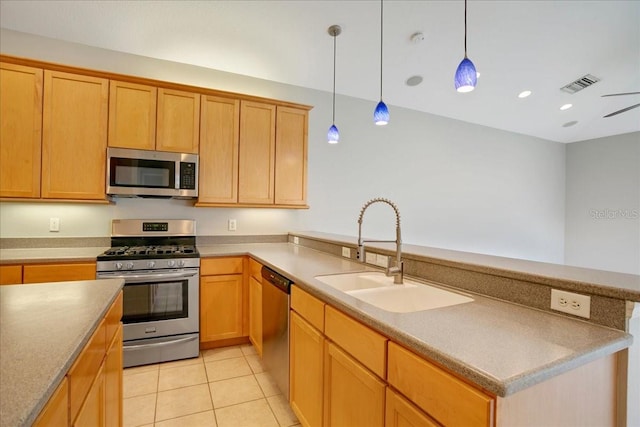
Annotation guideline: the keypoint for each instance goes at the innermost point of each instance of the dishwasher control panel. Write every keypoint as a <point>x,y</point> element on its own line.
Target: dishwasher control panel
<point>276,279</point>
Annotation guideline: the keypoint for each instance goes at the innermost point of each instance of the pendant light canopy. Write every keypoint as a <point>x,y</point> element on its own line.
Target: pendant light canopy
<point>466,76</point>
<point>381,113</point>
<point>333,136</point>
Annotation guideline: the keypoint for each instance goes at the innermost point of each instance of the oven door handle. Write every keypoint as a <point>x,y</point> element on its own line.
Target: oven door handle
<point>146,277</point>
<point>157,344</point>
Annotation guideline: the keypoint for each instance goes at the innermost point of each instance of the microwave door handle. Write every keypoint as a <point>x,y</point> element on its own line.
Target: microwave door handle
<point>146,277</point>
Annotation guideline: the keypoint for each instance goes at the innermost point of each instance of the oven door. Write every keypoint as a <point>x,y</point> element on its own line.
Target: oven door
<point>160,303</point>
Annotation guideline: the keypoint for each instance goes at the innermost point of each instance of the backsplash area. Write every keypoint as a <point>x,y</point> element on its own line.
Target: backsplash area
<point>521,288</point>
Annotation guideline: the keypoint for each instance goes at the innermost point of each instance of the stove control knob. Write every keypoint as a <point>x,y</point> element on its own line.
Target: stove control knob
<point>171,263</point>
<point>151,264</point>
<point>129,265</point>
<point>118,266</point>
<point>180,263</point>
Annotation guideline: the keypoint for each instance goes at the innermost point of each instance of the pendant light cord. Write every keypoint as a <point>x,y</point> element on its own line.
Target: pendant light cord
<point>465,28</point>
<point>381,29</point>
<point>333,119</point>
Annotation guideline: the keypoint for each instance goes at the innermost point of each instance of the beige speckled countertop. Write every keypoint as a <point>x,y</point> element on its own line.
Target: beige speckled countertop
<point>38,255</point>
<point>43,328</point>
<point>500,346</point>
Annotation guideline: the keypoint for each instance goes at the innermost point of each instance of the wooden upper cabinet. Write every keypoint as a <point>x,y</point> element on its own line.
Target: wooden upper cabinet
<point>257,153</point>
<point>74,138</point>
<point>219,137</point>
<point>178,125</point>
<point>132,115</point>
<point>291,156</point>
<point>20,130</point>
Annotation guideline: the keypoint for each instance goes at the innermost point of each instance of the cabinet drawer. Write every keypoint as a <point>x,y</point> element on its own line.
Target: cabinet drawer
<point>400,412</point>
<point>59,272</point>
<point>255,269</point>
<point>367,346</point>
<point>56,411</point>
<point>443,396</point>
<point>84,370</point>
<point>309,307</point>
<point>213,266</point>
<point>10,274</point>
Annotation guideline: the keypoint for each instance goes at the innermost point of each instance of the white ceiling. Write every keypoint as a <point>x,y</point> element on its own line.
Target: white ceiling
<point>515,45</point>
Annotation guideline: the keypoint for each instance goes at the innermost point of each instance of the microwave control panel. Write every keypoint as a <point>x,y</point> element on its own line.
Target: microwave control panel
<point>187,176</point>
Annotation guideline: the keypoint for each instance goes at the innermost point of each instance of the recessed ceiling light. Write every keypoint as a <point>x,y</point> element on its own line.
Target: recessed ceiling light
<point>414,80</point>
<point>524,94</point>
<point>569,124</point>
<point>566,107</point>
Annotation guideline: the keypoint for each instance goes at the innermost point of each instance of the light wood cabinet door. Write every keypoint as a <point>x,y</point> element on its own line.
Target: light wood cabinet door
<point>132,115</point>
<point>20,130</point>
<point>257,153</point>
<point>306,371</point>
<point>41,273</point>
<point>401,413</point>
<point>255,314</point>
<point>10,274</point>
<point>178,124</point>
<point>56,411</point>
<point>113,381</point>
<point>291,156</point>
<point>446,398</point>
<point>74,140</point>
<point>353,396</point>
<point>92,412</point>
<point>220,307</point>
<point>219,138</point>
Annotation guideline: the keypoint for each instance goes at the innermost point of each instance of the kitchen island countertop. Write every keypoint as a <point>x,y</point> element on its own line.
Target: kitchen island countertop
<point>500,346</point>
<point>43,328</point>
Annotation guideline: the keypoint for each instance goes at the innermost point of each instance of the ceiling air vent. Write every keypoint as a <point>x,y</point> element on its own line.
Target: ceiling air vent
<point>581,83</point>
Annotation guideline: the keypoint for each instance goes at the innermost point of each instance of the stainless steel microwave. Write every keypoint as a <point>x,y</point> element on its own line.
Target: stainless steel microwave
<point>142,173</point>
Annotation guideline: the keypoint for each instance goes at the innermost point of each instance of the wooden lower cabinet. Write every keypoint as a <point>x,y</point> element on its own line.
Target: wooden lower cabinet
<point>399,412</point>
<point>113,382</point>
<point>255,314</point>
<point>92,411</point>
<point>306,371</point>
<point>353,396</point>
<point>220,307</point>
<point>91,392</point>
<point>10,274</point>
<point>56,412</point>
<point>443,396</point>
<point>42,273</point>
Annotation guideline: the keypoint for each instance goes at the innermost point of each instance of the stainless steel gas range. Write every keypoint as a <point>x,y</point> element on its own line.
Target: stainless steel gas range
<point>160,265</point>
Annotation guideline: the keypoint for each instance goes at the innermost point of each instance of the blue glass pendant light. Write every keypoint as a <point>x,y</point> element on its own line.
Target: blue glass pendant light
<point>466,76</point>
<point>381,113</point>
<point>333,136</point>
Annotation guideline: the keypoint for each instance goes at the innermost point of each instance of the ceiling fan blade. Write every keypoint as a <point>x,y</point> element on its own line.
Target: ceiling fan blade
<point>619,94</point>
<point>622,111</point>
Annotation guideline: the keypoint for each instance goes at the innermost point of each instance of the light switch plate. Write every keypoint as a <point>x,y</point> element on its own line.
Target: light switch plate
<point>371,258</point>
<point>382,260</point>
<point>54,224</point>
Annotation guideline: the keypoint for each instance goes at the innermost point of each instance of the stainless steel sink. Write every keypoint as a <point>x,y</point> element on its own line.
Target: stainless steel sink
<point>380,291</point>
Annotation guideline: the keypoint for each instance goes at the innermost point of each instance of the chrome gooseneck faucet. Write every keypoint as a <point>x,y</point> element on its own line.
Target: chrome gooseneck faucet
<point>397,270</point>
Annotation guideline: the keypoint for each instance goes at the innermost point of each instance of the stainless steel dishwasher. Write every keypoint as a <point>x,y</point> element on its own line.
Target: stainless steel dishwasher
<point>275,327</point>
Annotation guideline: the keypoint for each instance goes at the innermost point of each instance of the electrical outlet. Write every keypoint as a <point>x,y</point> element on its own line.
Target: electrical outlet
<point>233,225</point>
<point>346,252</point>
<point>382,260</point>
<point>296,240</point>
<point>568,302</point>
<point>371,258</point>
<point>54,224</point>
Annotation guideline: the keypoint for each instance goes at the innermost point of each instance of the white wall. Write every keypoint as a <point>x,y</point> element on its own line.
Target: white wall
<point>603,204</point>
<point>458,185</point>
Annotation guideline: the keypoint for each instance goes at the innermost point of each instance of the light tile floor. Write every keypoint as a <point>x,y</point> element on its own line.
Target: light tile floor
<point>224,387</point>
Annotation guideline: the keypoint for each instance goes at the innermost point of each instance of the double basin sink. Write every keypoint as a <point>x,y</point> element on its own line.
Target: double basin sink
<point>379,290</point>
